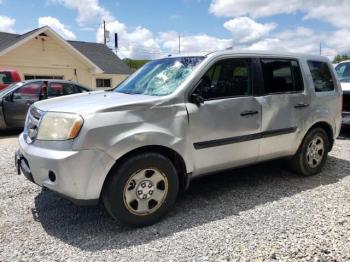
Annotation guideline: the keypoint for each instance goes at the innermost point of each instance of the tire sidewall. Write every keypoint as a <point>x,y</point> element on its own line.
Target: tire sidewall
<point>114,199</point>
<point>305,168</point>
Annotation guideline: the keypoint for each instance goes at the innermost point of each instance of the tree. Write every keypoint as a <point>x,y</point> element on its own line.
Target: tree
<point>134,64</point>
<point>338,58</point>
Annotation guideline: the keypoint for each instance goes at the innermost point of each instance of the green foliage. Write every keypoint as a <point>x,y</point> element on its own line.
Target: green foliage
<point>134,64</point>
<point>338,58</point>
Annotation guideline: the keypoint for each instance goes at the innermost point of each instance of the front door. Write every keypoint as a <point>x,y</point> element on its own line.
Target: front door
<point>225,128</point>
<point>16,107</point>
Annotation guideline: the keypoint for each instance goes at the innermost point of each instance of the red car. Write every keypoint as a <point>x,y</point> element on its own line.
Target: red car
<point>8,77</point>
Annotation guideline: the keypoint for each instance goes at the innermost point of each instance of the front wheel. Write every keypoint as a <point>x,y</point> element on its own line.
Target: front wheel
<point>312,154</point>
<point>142,189</point>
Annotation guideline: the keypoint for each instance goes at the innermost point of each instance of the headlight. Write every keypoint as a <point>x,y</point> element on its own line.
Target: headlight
<point>59,126</point>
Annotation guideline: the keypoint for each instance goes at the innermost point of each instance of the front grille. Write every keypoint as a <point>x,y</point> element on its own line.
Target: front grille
<point>32,123</point>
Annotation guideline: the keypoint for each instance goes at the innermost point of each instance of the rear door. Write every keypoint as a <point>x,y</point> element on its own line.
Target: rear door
<point>15,109</point>
<point>285,104</point>
<point>225,128</point>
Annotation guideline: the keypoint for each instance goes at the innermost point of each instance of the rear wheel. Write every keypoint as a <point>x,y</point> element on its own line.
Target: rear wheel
<point>312,154</point>
<point>142,189</point>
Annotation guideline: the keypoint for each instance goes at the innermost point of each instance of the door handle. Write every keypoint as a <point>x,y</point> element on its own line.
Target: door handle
<point>249,112</point>
<point>301,105</point>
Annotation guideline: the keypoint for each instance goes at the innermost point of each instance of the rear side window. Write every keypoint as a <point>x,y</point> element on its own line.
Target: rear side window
<point>281,76</point>
<point>5,78</point>
<point>321,76</point>
<point>61,89</point>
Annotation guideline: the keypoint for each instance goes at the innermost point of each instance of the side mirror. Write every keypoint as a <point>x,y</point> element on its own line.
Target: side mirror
<point>9,97</point>
<point>197,99</point>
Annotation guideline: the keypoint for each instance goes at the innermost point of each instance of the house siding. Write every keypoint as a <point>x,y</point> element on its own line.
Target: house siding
<point>51,58</point>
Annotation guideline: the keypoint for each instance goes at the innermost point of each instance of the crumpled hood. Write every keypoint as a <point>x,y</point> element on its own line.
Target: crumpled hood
<point>99,101</point>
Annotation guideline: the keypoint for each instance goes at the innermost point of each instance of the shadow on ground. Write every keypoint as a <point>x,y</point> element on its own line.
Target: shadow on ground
<point>209,199</point>
<point>10,133</point>
<point>344,134</point>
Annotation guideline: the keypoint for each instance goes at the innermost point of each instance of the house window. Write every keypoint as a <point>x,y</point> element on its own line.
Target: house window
<point>30,77</point>
<point>103,83</point>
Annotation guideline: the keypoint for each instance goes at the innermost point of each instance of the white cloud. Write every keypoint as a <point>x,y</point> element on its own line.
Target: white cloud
<point>199,43</point>
<point>246,30</point>
<point>89,11</point>
<point>138,43</point>
<point>339,40</point>
<point>56,25</point>
<point>300,40</point>
<point>254,8</point>
<point>7,24</point>
<point>335,12</point>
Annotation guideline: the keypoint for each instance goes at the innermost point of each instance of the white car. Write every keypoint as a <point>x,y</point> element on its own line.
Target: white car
<point>343,72</point>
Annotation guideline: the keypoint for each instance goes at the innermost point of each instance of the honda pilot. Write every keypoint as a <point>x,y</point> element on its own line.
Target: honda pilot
<point>134,148</point>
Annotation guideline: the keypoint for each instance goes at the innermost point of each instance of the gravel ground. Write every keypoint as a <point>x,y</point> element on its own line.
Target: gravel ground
<point>259,213</point>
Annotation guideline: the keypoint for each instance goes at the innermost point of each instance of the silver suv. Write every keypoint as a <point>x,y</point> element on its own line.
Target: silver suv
<point>137,146</point>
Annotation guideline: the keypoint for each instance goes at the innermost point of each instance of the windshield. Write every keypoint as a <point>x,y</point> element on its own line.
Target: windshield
<point>159,77</point>
<point>343,72</point>
<point>10,87</point>
<point>5,78</point>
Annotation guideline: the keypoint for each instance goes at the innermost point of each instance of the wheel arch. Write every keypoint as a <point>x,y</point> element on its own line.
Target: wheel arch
<point>327,128</point>
<point>172,155</point>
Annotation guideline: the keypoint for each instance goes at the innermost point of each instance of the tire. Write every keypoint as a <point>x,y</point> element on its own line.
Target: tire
<point>304,162</point>
<point>132,193</point>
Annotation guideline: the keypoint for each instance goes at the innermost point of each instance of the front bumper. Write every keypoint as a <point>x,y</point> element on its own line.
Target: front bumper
<point>79,175</point>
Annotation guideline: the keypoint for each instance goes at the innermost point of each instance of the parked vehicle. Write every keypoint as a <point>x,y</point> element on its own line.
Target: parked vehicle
<point>8,77</point>
<point>134,148</point>
<point>17,98</point>
<point>343,71</point>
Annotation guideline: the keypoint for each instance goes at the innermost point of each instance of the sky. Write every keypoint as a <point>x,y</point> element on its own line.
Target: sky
<point>150,29</point>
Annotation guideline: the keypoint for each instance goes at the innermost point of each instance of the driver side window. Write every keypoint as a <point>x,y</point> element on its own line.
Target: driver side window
<point>30,91</point>
<point>226,78</point>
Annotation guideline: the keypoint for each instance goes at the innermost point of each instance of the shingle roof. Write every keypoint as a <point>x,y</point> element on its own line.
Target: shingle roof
<point>8,39</point>
<point>102,56</point>
<point>99,54</point>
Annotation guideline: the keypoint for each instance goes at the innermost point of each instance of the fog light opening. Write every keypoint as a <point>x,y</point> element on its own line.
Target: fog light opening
<point>52,176</point>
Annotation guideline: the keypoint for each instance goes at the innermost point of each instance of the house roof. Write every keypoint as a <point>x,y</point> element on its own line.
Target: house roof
<point>97,54</point>
<point>102,56</point>
<point>8,39</point>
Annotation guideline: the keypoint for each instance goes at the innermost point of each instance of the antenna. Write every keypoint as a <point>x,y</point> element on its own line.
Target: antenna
<point>104,32</point>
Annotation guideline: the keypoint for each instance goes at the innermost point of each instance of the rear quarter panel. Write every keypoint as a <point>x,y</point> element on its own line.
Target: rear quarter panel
<point>324,106</point>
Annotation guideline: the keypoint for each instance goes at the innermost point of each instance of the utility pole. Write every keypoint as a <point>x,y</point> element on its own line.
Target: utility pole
<point>104,32</point>
<point>179,44</point>
<point>320,48</point>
